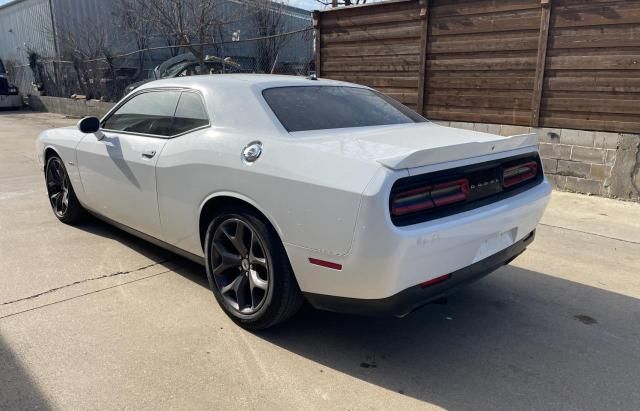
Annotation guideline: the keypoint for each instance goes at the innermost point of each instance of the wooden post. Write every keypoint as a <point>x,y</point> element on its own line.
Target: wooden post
<point>541,61</point>
<point>315,16</point>
<point>422,73</point>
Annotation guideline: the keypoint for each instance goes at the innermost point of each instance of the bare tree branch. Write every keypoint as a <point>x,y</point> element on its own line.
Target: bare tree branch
<point>187,22</point>
<point>268,19</point>
<point>130,18</point>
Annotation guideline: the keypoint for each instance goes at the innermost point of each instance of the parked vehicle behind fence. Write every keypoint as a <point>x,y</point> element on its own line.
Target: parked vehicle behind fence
<point>9,93</point>
<point>188,65</point>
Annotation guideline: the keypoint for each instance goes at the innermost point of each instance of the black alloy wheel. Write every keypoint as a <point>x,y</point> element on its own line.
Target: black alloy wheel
<point>241,268</point>
<point>248,269</point>
<point>64,203</point>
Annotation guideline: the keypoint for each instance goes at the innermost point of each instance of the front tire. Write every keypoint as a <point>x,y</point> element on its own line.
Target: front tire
<point>63,200</point>
<point>248,270</point>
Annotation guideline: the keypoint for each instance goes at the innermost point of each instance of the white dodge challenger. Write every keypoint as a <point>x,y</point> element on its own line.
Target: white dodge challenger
<point>288,189</point>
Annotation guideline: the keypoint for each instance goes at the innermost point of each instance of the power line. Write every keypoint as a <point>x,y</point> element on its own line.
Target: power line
<point>131,53</point>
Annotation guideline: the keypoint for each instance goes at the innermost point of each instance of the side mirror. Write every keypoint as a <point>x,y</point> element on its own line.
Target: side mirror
<point>89,125</point>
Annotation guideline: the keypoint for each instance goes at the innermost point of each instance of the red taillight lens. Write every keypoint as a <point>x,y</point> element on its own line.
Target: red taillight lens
<point>435,281</point>
<point>517,174</point>
<point>450,192</point>
<point>424,198</point>
<point>411,201</point>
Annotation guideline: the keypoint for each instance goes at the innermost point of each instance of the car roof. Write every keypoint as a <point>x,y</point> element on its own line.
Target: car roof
<point>231,99</point>
<point>248,80</point>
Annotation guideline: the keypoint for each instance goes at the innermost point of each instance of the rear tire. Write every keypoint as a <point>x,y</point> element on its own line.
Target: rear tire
<point>63,200</point>
<point>248,270</point>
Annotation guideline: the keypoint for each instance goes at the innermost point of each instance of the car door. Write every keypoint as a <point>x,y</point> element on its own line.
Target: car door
<point>182,170</point>
<point>118,170</point>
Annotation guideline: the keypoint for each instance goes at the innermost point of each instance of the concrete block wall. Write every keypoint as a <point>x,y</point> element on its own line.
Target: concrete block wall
<point>69,107</point>
<point>590,162</point>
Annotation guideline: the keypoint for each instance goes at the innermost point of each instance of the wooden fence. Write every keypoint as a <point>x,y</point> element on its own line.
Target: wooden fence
<point>549,63</point>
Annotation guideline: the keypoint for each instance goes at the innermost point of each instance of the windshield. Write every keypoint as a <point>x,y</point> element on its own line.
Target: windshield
<point>304,108</point>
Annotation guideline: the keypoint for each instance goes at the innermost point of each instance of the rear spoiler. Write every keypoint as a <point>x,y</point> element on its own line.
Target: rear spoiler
<point>429,156</point>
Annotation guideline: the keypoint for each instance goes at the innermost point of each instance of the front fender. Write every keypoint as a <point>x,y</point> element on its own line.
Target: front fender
<point>63,143</point>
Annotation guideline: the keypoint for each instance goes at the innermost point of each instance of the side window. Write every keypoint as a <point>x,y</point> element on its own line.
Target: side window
<point>190,113</point>
<point>148,113</point>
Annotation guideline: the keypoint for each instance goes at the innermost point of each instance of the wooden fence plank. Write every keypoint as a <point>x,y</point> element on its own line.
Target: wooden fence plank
<point>481,101</point>
<point>593,95</point>
<point>401,16</point>
<point>611,37</point>
<point>443,44</point>
<point>409,59</point>
<point>540,63</point>
<point>593,84</point>
<point>588,14</point>
<point>357,34</point>
<point>480,7</point>
<point>342,75</point>
<point>593,116</point>
<point>317,41</point>
<point>615,105</point>
<point>377,48</point>
<point>389,67</point>
<point>486,64</point>
<point>422,72</point>
<point>503,93</point>
<point>498,116</point>
<point>484,23</point>
<point>620,62</point>
<point>586,124</point>
<point>481,83</point>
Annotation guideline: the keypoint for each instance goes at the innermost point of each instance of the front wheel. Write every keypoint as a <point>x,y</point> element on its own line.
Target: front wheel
<point>64,203</point>
<point>248,270</point>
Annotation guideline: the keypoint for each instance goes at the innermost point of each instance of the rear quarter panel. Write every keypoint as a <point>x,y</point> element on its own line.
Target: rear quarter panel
<point>311,198</point>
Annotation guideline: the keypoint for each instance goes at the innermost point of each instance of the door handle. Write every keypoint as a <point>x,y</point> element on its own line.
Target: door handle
<point>148,153</point>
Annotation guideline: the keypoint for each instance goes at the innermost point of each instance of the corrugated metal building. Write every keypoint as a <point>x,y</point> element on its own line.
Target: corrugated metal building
<point>32,25</point>
<point>24,25</point>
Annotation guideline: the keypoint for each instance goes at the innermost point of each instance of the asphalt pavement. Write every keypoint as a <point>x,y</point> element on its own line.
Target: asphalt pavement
<point>93,318</point>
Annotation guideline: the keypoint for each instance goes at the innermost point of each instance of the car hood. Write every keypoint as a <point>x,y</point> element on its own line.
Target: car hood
<point>411,145</point>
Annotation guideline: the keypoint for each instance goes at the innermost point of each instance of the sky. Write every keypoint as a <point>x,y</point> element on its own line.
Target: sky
<point>303,4</point>
<point>312,4</point>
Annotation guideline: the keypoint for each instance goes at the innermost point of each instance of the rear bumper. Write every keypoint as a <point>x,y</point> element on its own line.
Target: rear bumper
<point>414,297</point>
<point>385,260</point>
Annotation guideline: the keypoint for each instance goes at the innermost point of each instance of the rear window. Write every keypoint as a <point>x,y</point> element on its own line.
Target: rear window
<point>306,108</point>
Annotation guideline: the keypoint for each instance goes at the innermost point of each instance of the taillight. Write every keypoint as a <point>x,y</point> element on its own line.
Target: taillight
<point>450,192</point>
<point>435,281</point>
<point>424,198</point>
<point>517,174</point>
<point>411,201</point>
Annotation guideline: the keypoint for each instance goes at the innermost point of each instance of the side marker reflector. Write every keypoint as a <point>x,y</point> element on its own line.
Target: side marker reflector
<point>436,280</point>
<point>328,264</point>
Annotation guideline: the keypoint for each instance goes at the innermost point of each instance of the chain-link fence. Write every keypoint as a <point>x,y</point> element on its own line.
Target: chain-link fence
<point>109,78</point>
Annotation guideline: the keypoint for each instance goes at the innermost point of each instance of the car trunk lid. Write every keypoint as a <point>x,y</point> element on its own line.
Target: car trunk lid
<point>413,145</point>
